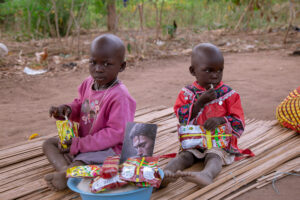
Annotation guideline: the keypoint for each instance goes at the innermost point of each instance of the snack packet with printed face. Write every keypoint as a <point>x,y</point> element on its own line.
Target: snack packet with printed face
<point>142,171</point>
<point>85,171</point>
<point>66,130</point>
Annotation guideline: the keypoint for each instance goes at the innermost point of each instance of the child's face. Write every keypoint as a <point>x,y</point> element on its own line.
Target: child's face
<point>105,64</point>
<point>207,72</point>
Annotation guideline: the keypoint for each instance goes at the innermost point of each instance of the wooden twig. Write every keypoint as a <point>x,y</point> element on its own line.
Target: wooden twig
<point>70,21</point>
<point>141,14</point>
<point>243,15</point>
<point>291,20</point>
<point>56,19</point>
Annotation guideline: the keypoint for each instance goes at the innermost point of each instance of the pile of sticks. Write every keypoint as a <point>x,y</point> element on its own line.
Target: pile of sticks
<point>23,165</point>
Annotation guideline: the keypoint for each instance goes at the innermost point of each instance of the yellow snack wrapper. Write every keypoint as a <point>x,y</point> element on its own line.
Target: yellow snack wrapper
<point>67,129</point>
<point>85,171</point>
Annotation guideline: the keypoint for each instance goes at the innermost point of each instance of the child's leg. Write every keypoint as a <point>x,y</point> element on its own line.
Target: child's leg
<point>212,167</point>
<point>57,180</point>
<point>182,161</point>
<point>55,157</point>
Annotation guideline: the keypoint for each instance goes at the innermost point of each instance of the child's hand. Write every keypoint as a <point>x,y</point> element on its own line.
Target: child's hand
<point>213,123</point>
<point>207,96</point>
<point>60,112</point>
<point>66,142</point>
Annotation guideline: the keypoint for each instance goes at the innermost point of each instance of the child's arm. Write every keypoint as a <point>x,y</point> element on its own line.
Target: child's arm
<point>60,112</point>
<point>235,115</point>
<point>205,97</point>
<point>122,110</point>
<point>213,122</point>
<point>184,107</point>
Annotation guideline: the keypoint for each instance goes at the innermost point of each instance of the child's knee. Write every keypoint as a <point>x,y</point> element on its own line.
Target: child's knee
<point>50,142</point>
<point>212,157</point>
<point>186,157</point>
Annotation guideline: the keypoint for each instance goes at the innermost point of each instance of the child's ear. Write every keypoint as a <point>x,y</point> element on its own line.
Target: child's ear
<point>123,66</point>
<point>192,70</point>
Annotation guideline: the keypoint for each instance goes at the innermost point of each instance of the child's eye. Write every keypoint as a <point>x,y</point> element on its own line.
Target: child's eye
<point>92,62</point>
<point>106,64</point>
<point>207,71</point>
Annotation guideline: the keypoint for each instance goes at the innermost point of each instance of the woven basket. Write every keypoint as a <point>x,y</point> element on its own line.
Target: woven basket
<point>288,111</point>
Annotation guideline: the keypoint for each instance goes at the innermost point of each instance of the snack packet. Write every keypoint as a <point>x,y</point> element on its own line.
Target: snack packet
<point>110,167</point>
<point>85,171</point>
<point>142,171</point>
<point>66,130</point>
<point>100,184</point>
<point>195,136</point>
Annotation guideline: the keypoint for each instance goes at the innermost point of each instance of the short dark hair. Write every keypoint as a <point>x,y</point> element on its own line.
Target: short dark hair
<point>147,130</point>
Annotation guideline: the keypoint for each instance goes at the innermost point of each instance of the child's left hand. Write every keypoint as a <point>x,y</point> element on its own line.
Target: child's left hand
<point>213,123</point>
<point>68,143</point>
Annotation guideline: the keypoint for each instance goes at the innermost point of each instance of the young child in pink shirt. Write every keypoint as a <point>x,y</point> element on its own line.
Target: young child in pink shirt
<point>102,109</point>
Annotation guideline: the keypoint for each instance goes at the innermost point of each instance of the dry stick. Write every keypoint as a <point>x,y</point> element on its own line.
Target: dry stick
<point>232,196</point>
<point>24,190</point>
<point>291,19</point>
<point>263,151</point>
<point>37,195</point>
<point>11,168</point>
<point>20,149</point>
<point>24,169</point>
<point>243,15</point>
<point>156,19</point>
<point>141,14</point>
<point>26,175</point>
<point>252,173</point>
<point>147,110</point>
<point>235,173</point>
<point>56,19</point>
<point>153,116</point>
<point>20,157</point>
<point>256,172</point>
<point>77,24</point>
<point>12,183</point>
<point>70,21</point>
<point>57,195</point>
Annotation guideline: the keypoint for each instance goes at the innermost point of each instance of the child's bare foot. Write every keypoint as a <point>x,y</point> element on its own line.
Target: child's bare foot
<point>56,181</point>
<point>200,178</point>
<point>168,178</point>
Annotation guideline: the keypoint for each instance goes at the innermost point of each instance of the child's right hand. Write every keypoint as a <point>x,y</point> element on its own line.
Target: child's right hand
<point>207,96</point>
<point>60,112</point>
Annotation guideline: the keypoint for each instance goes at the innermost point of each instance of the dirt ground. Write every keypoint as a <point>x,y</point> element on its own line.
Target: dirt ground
<point>262,78</point>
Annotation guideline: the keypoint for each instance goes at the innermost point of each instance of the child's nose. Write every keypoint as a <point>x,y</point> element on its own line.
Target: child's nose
<point>214,75</point>
<point>99,68</point>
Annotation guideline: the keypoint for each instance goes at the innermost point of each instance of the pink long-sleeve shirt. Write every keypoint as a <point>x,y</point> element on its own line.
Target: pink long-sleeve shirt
<point>102,117</point>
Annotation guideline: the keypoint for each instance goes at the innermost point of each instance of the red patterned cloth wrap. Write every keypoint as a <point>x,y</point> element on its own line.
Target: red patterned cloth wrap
<point>85,171</point>
<point>100,184</point>
<point>288,111</point>
<point>195,136</point>
<point>142,171</point>
<point>110,167</point>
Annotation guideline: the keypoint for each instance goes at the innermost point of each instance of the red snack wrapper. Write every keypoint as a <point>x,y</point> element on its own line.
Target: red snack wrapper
<point>142,171</point>
<point>85,171</point>
<point>195,136</point>
<point>110,167</point>
<point>100,184</point>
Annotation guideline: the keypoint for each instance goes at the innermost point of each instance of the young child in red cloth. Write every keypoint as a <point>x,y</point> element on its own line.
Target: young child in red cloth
<point>210,103</point>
